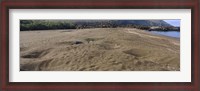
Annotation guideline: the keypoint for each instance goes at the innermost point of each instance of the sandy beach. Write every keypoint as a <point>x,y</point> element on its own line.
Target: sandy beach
<point>98,49</point>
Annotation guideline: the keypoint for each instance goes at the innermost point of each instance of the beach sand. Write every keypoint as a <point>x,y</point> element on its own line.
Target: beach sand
<point>98,49</point>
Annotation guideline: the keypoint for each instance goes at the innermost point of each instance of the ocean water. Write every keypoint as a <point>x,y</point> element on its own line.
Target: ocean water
<point>175,34</point>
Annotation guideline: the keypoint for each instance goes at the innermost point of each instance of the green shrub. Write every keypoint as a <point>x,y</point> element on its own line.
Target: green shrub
<point>44,25</point>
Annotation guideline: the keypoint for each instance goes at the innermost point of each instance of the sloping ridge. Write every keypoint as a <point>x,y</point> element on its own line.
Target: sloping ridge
<point>124,22</point>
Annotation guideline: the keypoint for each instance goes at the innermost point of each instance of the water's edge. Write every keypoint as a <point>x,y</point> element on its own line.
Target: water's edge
<point>174,34</point>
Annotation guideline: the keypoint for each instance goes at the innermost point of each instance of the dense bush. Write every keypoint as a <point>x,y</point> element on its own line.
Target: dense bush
<point>44,25</point>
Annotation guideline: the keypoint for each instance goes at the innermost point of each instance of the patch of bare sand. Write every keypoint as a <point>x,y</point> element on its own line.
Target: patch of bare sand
<point>115,49</point>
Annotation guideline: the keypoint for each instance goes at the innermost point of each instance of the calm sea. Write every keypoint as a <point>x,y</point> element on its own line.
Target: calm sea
<point>168,33</point>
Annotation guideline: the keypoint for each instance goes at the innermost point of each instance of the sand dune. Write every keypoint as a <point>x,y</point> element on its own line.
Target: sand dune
<point>115,49</point>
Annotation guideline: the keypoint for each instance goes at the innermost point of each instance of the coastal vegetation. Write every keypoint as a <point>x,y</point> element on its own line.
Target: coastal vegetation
<point>44,25</point>
<point>151,25</point>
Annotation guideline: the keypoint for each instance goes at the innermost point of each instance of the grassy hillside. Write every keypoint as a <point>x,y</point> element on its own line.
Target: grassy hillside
<point>80,24</point>
<point>43,25</point>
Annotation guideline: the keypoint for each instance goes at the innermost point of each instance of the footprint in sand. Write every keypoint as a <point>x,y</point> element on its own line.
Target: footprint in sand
<point>136,52</point>
<point>36,54</point>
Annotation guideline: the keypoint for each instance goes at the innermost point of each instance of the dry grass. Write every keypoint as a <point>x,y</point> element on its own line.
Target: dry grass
<point>116,49</point>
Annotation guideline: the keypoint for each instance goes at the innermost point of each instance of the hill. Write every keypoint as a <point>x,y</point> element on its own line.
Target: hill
<point>76,24</point>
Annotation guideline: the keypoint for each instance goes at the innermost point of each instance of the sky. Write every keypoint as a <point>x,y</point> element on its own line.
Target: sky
<point>173,22</point>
